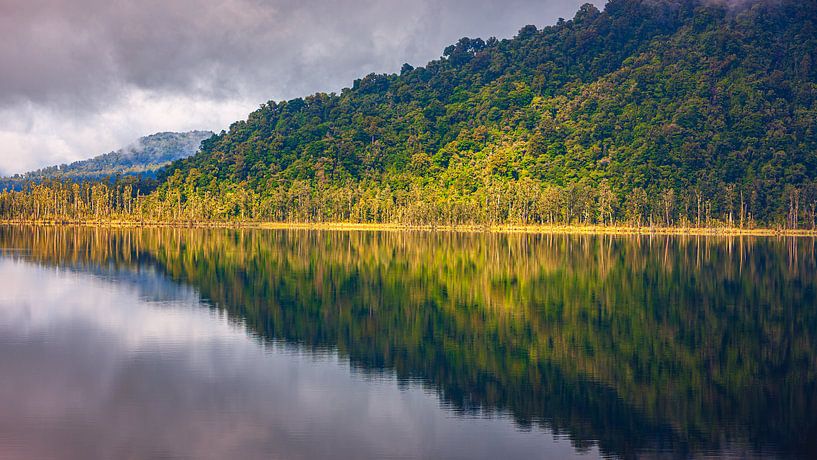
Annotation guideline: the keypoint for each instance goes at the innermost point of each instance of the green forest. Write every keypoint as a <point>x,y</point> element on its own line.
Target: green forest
<point>651,112</point>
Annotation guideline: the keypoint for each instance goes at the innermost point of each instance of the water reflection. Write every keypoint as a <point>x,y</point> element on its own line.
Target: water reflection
<point>92,370</point>
<point>681,345</point>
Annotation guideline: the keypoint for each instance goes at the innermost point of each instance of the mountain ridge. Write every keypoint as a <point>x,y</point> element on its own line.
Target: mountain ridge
<point>145,156</point>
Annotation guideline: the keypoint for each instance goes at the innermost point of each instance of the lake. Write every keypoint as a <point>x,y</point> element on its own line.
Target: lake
<point>218,343</point>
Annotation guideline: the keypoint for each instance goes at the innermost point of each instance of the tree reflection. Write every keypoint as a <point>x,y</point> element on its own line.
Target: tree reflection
<point>635,343</point>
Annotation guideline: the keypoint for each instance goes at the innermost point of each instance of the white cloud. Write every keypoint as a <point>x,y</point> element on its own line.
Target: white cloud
<point>33,136</point>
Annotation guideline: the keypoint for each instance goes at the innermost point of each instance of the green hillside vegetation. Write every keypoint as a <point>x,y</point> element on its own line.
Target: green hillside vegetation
<point>652,112</point>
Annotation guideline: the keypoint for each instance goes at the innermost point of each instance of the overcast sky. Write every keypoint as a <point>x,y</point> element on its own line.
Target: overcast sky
<point>84,77</point>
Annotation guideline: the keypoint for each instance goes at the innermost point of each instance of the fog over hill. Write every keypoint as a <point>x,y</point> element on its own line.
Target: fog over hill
<point>144,156</point>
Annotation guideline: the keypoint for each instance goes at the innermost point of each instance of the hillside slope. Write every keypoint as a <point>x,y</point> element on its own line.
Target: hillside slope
<point>652,110</point>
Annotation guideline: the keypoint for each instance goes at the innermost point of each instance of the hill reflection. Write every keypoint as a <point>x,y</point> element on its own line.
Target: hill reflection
<point>688,345</point>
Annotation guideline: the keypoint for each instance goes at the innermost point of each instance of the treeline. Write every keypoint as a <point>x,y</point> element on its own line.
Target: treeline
<point>516,202</point>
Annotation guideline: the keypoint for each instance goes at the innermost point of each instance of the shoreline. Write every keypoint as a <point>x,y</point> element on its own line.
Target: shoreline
<point>501,229</point>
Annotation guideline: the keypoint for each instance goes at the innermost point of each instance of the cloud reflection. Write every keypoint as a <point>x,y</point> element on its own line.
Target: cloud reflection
<point>92,369</point>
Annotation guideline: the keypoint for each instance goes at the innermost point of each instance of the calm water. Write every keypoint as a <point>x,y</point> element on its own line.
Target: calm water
<point>273,344</point>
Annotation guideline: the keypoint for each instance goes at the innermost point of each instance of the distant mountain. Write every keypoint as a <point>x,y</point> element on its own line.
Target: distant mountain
<point>145,156</point>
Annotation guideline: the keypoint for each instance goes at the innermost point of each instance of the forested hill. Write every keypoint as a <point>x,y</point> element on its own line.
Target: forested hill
<point>651,109</point>
<point>145,156</point>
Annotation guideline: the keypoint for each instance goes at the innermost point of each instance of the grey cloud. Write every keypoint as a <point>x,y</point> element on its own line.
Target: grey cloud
<point>87,51</point>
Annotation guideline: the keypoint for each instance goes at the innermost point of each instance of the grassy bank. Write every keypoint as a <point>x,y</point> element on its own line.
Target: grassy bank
<point>551,229</point>
<point>505,228</point>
